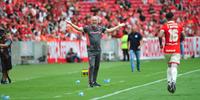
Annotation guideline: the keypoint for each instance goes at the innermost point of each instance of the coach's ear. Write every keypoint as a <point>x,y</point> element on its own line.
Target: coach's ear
<point>99,19</point>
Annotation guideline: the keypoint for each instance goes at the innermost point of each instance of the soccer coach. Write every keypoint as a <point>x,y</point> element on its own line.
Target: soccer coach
<point>94,32</point>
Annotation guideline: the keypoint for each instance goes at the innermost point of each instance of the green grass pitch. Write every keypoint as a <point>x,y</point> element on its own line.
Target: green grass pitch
<point>58,82</point>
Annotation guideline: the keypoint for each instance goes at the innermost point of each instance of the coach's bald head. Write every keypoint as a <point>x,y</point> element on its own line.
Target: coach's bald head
<point>95,20</point>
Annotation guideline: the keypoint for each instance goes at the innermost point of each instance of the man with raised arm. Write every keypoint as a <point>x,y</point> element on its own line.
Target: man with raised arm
<point>94,32</point>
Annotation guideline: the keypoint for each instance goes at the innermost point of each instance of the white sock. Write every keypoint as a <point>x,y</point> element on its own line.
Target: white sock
<point>174,72</point>
<point>169,76</point>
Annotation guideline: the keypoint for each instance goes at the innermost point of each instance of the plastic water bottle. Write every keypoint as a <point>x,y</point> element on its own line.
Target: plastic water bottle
<point>81,94</point>
<point>78,81</point>
<point>105,80</point>
<point>108,80</point>
<point>5,97</point>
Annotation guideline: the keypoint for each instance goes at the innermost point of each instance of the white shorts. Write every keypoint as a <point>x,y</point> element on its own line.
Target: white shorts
<point>173,58</point>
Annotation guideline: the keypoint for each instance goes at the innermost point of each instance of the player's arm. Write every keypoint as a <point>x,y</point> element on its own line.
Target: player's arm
<point>141,42</point>
<point>115,28</point>
<point>76,27</point>
<point>3,45</point>
<point>6,44</point>
<point>128,44</point>
<point>160,35</point>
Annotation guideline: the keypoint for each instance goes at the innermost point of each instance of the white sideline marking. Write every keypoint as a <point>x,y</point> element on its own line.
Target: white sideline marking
<point>135,87</point>
<point>58,96</point>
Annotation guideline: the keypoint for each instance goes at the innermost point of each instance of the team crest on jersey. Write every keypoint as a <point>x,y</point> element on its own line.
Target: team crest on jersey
<point>136,36</point>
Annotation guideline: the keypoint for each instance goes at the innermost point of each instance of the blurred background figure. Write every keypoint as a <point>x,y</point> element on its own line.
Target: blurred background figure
<point>5,56</point>
<point>134,46</point>
<point>71,56</point>
<point>124,46</point>
<point>182,38</point>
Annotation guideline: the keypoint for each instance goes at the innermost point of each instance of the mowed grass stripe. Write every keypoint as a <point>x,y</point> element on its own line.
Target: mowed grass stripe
<point>58,80</point>
<point>139,86</point>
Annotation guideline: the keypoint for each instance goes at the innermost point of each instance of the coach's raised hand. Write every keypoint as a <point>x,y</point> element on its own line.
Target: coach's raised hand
<point>116,27</point>
<point>75,26</point>
<point>121,24</point>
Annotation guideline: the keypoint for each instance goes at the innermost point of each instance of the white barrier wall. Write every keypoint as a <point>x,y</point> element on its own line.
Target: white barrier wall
<point>30,52</point>
<point>55,51</point>
<point>192,46</point>
<point>151,49</point>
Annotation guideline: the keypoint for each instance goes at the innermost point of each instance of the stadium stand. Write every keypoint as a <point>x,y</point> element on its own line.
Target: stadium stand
<point>45,20</point>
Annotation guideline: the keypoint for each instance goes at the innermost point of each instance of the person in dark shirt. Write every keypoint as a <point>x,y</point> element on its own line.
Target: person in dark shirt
<point>134,46</point>
<point>182,38</point>
<point>94,32</point>
<point>72,56</point>
<point>5,56</point>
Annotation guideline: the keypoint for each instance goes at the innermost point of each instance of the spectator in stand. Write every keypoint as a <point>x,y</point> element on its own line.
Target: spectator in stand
<point>163,9</point>
<point>144,1</point>
<point>9,9</point>
<point>139,10</point>
<point>151,9</point>
<point>142,17</point>
<point>162,20</point>
<point>47,14</point>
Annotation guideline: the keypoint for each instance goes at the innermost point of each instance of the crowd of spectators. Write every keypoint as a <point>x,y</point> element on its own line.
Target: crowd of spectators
<point>45,20</point>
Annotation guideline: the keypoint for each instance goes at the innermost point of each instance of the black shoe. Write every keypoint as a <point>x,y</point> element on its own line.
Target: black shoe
<point>173,87</point>
<point>169,87</point>
<point>4,82</point>
<point>96,84</point>
<point>138,69</point>
<point>91,85</point>
<point>9,80</point>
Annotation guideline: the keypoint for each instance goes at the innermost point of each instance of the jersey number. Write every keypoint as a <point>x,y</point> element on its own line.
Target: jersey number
<point>173,35</point>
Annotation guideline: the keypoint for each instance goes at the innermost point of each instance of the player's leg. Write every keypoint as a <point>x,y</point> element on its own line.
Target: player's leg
<point>96,68</point>
<point>124,54</point>
<point>127,54</point>
<point>169,75</point>
<point>1,73</point>
<point>9,66</point>
<point>91,68</point>
<point>132,60</point>
<point>137,54</point>
<point>7,75</point>
<point>169,78</point>
<point>174,61</point>
<point>4,72</point>
<point>174,73</point>
<point>4,77</point>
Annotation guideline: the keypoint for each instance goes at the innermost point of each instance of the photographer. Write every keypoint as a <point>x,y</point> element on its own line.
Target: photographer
<point>5,56</point>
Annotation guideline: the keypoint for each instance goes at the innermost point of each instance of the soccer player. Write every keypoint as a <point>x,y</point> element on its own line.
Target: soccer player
<point>172,33</point>
<point>94,32</point>
<point>5,56</point>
